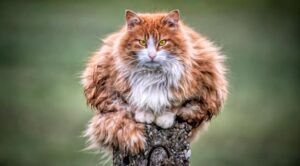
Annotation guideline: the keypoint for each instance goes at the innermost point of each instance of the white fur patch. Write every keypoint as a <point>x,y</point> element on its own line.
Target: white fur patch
<point>151,45</point>
<point>151,89</point>
<point>144,117</point>
<point>165,120</point>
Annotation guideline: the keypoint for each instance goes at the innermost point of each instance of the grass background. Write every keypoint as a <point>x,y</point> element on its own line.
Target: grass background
<point>44,45</point>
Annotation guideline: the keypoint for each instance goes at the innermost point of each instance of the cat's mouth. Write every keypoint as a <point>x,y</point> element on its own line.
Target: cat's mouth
<point>152,65</point>
<point>156,72</point>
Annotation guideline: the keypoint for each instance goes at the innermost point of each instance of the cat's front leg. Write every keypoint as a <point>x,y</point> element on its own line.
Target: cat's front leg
<point>144,116</point>
<point>193,112</point>
<point>202,108</point>
<point>165,119</point>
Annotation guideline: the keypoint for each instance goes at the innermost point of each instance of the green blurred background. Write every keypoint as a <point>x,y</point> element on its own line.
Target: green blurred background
<point>44,45</point>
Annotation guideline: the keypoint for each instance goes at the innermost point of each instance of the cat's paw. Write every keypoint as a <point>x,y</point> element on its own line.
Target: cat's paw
<point>165,120</point>
<point>144,117</point>
<point>186,113</point>
<point>193,114</point>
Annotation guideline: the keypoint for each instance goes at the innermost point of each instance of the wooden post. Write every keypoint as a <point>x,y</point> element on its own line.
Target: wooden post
<point>166,147</point>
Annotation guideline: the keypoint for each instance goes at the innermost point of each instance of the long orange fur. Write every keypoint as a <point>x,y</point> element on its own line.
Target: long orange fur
<point>201,92</point>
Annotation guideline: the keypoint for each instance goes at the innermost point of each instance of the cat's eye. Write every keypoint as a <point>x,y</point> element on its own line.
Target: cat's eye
<point>162,42</point>
<point>142,42</point>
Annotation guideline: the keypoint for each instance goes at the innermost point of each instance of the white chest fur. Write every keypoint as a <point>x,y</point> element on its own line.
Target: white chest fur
<point>150,91</point>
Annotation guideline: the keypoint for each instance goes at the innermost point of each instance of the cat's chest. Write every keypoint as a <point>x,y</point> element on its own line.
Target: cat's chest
<point>154,97</point>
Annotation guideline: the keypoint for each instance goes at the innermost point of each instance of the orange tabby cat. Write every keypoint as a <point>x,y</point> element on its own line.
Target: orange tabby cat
<point>151,71</point>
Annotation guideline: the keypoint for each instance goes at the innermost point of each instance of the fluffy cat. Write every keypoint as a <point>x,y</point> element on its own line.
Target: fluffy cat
<point>151,71</point>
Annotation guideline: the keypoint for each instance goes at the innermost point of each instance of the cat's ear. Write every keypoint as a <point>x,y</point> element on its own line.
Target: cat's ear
<point>132,19</point>
<point>172,18</point>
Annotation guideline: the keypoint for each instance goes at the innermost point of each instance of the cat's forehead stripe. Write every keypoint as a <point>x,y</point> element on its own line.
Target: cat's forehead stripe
<point>155,35</point>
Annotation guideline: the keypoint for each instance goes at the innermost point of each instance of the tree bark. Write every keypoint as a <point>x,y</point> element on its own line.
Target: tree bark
<point>165,147</point>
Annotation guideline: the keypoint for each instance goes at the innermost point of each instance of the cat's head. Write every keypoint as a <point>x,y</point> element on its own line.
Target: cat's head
<point>153,42</point>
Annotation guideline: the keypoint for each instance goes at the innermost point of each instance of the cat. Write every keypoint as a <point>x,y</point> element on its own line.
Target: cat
<point>153,70</point>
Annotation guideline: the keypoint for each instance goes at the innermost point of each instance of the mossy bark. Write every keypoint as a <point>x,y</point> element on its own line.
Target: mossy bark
<point>165,147</point>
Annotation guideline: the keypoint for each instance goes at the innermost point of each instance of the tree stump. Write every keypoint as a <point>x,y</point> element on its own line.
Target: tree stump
<point>165,147</point>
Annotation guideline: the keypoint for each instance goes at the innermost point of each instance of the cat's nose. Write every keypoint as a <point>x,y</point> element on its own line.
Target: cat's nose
<point>152,55</point>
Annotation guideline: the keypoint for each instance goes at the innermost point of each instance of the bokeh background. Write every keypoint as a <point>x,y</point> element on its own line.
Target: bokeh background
<point>44,45</point>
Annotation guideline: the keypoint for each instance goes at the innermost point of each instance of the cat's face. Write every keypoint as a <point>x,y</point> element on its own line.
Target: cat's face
<point>153,42</point>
